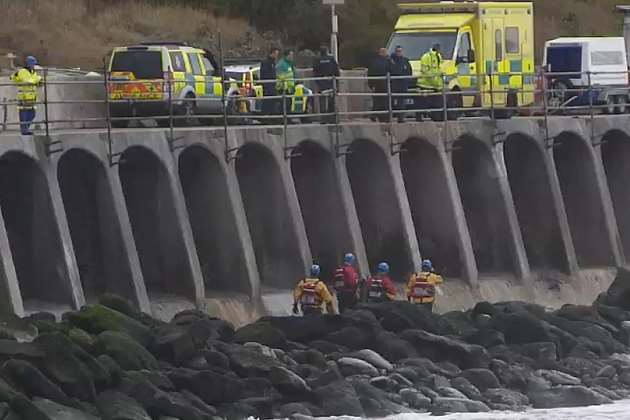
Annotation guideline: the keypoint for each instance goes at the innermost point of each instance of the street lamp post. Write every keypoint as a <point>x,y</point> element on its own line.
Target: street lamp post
<point>334,48</point>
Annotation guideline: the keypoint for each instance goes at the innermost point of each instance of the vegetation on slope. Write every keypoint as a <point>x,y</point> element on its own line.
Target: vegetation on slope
<point>78,33</point>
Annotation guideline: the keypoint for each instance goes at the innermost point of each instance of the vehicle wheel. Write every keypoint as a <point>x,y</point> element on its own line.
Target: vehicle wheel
<point>187,113</point>
<point>455,101</point>
<point>232,110</point>
<point>310,111</point>
<point>611,105</point>
<point>508,112</point>
<point>622,105</point>
<point>558,96</point>
<point>163,123</point>
<point>119,123</point>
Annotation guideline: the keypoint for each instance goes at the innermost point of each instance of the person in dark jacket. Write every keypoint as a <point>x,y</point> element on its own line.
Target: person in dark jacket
<point>326,66</point>
<point>400,67</point>
<point>268,72</point>
<point>380,66</point>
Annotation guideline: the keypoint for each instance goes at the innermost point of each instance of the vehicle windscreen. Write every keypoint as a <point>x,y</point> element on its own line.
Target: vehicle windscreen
<point>417,43</point>
<point>564,59</point>
<point>143,64</point>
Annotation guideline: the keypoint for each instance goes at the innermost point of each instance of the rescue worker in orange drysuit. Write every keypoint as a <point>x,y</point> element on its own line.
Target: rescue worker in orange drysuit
<point>346,280</point>
<point>380,288</point>
<point>422,287</point>
<point>311,295</point>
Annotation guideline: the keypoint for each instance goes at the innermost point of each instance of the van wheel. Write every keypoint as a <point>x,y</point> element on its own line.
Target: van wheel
<point>511,103</point>
<point>119,123</point>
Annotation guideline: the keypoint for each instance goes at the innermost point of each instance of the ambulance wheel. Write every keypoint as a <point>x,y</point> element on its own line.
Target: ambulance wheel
<point>622,105</point>
<point>119,123</point>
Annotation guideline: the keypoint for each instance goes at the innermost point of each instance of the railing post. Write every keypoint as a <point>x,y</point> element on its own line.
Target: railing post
<point>390,109</point>
<point>108,120</point>
<point>170,107</point>
<point>335,110</point>
<point>590,104</point>
<point>46,105</point>
<point>491,85</point>
<point>543,75</point>
<point>285,118</point>
<point>444,98</point>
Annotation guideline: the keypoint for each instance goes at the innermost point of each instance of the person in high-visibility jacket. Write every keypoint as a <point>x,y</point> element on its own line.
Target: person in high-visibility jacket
<point>430,69</point>
<point>285,72</point>
<point>311,295</point>
<point>422,287</point>
<point>27,81</point>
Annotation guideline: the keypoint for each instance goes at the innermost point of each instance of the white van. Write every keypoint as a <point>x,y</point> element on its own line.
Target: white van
<point>600,61</point>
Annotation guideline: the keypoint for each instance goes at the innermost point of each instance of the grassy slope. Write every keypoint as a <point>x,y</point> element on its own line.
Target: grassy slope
<point>78,33</point>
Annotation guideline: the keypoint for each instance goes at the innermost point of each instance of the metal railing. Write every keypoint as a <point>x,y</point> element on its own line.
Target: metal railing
<point>95,100</point>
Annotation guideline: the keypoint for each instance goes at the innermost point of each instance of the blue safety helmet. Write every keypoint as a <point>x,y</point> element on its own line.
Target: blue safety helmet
<point>315,270</point>
<point>383,268</point>
<point>349,258</point>
<point>30,61</point>
<point>427,265</point>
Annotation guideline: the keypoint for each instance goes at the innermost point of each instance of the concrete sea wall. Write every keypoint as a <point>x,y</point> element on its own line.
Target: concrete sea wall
<point>506,210</point>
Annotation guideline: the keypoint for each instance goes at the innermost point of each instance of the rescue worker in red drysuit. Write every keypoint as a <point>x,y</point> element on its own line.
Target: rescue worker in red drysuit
<point>380,288</point>
<point>311,295</point>
<point>422,287</point>
<point>346,282</point>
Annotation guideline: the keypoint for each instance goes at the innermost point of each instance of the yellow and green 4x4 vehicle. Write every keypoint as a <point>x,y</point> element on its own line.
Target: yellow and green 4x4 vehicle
<point>146,80</point>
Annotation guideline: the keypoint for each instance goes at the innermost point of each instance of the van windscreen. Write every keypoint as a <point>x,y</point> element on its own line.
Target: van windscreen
<point>143,64</point>
<point>415,44</point>
<point>564,59</point>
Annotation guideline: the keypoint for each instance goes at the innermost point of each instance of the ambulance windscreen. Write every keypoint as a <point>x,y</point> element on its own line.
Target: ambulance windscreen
<point>415,44</point>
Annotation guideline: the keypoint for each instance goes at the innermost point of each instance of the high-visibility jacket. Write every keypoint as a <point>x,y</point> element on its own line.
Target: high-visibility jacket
<point>298,100</point>
<point>285,73</point>
<point>26,82</point>
<point>312,293</point>
<point>421,287</point>
<point>430,71</point>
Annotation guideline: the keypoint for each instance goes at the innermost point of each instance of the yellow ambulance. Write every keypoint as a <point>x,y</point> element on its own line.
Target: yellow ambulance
<point>486,47</point>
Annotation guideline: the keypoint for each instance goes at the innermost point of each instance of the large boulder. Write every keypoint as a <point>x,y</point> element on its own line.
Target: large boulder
<point>486,337</point>
<point>375,402</point>
<point>374,359</point>
<point>464,386</point>
<point>567,396</point>
<point>339,398</point>
<point>115,405</point>
<point>308,328</point>
<point>51,410</point>
<point>443,405</point>
<point>558,378</point>
<point>618,293</point>
<point>288,383</point>
<point>353,337</point>
<point>351,366</point>
<point>175,404</point>
<point>202,327</point>
<point>504,397</point>
<point>521,327</point>
<point>62,365</point>
<point>173,344</point>
<point>392,347</point>
<point>96,319</point>
<point>125,351</point>
<point>436,347</point>
<point>211,387</point>
<point>415,399</point>
<point>261,332</point>
<point>248,362</point>
<point>32,381</point>
<point>483,379</point>
<point>544,353</point>
<point>399,316</point>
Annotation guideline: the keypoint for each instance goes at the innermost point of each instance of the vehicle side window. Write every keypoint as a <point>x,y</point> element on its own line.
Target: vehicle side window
<point>209,67</point>
<point>464,47</point>
<point>195,64</point>
<point>177,61</point>
<point>512,41</point>
<point>498,45</point>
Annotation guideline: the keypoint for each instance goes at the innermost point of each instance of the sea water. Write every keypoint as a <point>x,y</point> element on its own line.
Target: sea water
<point>617,411</point>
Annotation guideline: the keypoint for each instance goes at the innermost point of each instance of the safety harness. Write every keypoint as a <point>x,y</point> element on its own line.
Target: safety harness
<point>310,297</point>
<point>376,291</point>
<point>423,291</point>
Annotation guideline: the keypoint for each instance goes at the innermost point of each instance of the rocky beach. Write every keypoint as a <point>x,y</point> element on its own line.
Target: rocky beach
<point>110,361</point>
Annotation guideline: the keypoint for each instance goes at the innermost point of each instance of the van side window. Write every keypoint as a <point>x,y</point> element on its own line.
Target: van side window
<point>209,67</point>
<point>498,45</point>
<point>512,41</point>
<point>464,48</point>
<point>177,61</point>
<point>195,64</point>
